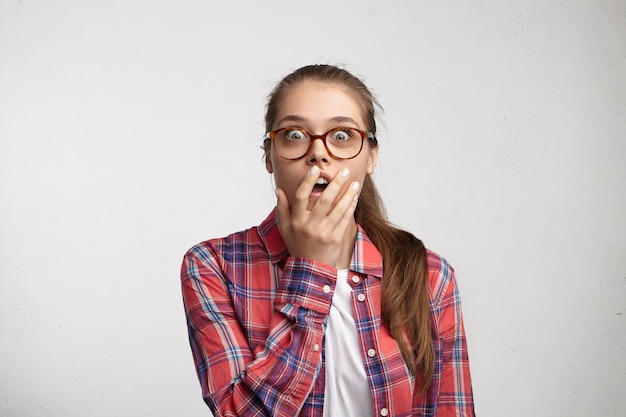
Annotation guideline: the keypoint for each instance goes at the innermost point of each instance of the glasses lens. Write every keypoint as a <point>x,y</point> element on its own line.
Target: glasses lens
<point>291,143</point>
<point>340,142</point>
<point>344,142</point>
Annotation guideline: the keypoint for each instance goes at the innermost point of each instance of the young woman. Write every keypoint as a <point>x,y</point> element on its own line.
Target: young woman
<point>325,308</point>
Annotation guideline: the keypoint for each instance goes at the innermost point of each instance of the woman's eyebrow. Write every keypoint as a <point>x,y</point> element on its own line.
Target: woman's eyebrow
<point>291,118</point>
<point>343,119</point>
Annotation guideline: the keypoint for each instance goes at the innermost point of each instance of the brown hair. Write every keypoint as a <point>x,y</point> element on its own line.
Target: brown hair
<point>405,299</point>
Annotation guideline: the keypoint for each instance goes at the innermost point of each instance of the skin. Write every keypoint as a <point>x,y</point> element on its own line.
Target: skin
<point>317,224</point>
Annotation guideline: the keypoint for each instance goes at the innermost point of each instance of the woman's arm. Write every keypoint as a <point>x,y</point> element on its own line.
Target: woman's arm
<point>455,397</point>
<point>275,379</point>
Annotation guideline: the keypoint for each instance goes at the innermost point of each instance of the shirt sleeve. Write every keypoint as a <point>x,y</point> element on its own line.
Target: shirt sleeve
<point>275,379</point>
<point>455,397</point>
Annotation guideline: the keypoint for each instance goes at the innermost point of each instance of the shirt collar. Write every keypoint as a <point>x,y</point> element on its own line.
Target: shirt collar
<point>366,258</point>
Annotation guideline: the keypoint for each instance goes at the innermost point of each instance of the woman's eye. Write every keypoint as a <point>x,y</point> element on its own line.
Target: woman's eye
<point>295,135</point>
<point>341,135</point>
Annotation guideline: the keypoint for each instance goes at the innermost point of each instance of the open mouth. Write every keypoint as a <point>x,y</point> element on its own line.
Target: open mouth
<point>321,184</point>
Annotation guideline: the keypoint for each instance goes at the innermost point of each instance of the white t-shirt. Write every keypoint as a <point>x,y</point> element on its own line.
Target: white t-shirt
<point>347,392</point>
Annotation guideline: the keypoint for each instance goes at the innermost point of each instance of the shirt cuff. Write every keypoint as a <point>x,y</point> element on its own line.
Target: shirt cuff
<point>306,283</point>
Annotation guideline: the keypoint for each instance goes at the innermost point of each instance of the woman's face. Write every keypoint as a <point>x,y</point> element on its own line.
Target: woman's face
<point>317,108</point>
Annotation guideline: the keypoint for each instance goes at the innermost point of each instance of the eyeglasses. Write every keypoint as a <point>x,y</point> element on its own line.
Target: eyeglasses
<point>293,143</point>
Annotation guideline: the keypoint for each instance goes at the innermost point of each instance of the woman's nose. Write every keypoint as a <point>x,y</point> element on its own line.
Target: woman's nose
<point>318,151</point>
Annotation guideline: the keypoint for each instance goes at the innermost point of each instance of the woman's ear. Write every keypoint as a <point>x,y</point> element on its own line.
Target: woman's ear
<point>372,160</point>
<point>268,163</point>
<point>267,147</point>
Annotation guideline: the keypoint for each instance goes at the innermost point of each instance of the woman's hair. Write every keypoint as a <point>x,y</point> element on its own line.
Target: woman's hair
<point>405,299</point>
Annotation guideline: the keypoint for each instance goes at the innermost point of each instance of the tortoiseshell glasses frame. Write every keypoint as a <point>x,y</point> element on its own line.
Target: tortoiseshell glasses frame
<point>339,142</point>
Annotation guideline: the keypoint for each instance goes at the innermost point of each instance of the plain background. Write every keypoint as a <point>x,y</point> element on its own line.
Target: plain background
<point>130,131</point>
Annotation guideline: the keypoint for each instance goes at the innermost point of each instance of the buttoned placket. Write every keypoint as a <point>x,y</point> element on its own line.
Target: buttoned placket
<point>359,287</point>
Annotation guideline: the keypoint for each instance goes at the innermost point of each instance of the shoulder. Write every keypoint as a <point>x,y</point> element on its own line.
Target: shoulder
<point>226,249</point>
<point>248,247</point>
<point>441,277</point>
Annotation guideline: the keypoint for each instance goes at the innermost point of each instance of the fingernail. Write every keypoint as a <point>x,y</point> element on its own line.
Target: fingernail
<point>276,192</point>
<point>355,185</point>
<point>314,170</point>
<point>345,172</point>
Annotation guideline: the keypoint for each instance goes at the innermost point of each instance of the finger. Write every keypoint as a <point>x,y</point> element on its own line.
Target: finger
<point>344,208</point>
<point>303,192</point>
<point>348,215</point>
<point>327,200</point>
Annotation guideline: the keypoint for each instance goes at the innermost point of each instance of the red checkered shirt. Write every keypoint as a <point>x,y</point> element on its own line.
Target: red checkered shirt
<point>256,319</point>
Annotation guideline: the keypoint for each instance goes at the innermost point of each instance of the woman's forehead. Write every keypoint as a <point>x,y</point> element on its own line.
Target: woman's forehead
<point>320,102</point>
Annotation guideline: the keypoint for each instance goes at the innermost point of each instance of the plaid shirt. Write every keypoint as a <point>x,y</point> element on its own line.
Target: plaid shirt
<point>256,319</point>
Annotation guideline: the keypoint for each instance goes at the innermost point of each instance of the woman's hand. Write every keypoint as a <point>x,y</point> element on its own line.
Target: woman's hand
<point>319,232</point>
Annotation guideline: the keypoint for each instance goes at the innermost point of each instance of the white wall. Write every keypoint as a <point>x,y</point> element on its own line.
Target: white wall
<point>129,131</point>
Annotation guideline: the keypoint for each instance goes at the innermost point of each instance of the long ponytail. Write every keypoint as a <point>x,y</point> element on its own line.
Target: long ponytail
<point>405,299</point>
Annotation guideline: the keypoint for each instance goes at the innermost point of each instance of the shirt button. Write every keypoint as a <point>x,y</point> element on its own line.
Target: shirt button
<point>371,353</point>
<point>384,412</point>
<point>326,289</point>
<point>361,297</point>
<point>316,347</point>
<point>355,279</point>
